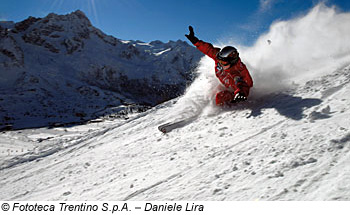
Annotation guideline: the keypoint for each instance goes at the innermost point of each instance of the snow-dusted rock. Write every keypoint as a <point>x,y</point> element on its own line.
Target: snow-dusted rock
<point>46,62</point>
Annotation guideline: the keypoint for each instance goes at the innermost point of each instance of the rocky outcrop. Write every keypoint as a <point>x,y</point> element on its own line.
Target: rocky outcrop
<point>57,67</point>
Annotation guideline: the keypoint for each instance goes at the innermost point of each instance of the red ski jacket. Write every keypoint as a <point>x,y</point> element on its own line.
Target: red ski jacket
<point>230,77</point>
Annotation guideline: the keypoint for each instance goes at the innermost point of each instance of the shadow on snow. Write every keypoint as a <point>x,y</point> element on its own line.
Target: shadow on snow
<point>287,105</point>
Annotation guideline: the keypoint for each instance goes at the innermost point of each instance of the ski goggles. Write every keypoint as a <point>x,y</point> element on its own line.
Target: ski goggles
<point>224,63</point>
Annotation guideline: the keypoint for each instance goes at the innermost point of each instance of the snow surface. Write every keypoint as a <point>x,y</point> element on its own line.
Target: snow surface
<point>290,143</point>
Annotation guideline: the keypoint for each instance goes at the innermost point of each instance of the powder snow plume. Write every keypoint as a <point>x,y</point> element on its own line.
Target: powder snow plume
<point>199,95</point>
<point>300,49</point>
<point>293,51</point>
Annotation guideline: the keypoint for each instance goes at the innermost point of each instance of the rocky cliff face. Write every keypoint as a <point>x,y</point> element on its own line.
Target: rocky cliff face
<point>60,68</point>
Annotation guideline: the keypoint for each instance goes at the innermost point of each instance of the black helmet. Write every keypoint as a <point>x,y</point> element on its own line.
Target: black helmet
<point>228,54</point>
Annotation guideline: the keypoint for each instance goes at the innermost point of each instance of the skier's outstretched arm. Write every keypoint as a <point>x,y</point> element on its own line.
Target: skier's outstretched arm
<point>206,48</point>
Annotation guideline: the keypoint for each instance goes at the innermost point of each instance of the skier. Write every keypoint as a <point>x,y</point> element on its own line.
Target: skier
<point>229,69</point>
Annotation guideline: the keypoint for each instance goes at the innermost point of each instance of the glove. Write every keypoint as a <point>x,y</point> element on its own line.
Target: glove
<point>191,36</point>
<point>239,97</point>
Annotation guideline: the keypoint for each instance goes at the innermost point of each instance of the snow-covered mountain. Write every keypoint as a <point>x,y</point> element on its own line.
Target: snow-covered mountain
<point>60,68</point>
<point>284,143</point>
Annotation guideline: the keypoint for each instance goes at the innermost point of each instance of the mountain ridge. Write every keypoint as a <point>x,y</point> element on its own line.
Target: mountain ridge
<point>52,64</point>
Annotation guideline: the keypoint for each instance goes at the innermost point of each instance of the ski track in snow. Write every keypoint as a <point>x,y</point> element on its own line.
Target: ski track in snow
<point>233,155</point>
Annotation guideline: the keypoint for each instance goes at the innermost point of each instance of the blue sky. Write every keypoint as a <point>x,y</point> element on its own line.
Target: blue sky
<point>164,20</point>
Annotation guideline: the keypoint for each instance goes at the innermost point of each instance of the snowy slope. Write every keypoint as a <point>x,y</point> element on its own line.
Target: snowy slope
<point>291,146</point>
<point>61,69</point>
<point>282,144</point>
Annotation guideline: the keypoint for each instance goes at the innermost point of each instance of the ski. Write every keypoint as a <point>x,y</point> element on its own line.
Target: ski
<point>167,127</point>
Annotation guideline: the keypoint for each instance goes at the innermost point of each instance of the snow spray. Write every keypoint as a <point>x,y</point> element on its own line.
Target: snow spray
<point>293,51</point>
<point>299,50</point>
